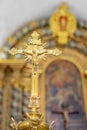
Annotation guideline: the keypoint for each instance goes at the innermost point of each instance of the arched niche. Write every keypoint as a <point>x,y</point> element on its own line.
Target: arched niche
<point>62,84</point>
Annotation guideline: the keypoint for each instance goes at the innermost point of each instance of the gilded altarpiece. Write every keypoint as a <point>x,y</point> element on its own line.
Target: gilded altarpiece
<point>63,80</point>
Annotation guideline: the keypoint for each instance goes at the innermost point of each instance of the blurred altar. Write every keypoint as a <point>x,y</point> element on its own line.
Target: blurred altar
<point>62,80</point>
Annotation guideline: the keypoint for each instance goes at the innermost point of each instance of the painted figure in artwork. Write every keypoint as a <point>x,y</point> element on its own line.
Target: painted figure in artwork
<point>63,23</point>
<point>63,85</point>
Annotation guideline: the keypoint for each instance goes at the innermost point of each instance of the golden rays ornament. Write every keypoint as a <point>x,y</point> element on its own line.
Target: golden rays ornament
<point>63,24</point>
<point>34,51</point>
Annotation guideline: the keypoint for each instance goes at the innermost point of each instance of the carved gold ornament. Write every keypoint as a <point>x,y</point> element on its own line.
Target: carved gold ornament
<point>63,24</point>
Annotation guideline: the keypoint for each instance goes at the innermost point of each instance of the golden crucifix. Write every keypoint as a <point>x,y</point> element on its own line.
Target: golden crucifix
<point>35,51</point>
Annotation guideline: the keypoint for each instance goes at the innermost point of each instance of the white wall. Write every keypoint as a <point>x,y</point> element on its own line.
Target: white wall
<point>15,13</point>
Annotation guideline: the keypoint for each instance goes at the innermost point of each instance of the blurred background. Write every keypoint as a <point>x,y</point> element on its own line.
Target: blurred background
<point>15,13</point>
<point>63,79</point>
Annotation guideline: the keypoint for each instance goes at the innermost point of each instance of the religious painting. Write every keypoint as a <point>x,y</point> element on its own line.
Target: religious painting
<point>63,93</point>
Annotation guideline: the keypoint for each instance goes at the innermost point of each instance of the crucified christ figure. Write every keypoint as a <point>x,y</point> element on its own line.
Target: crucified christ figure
<point>35,51</point>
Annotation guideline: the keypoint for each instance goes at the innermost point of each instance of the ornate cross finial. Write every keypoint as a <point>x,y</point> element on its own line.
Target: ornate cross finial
<point>64,6</point>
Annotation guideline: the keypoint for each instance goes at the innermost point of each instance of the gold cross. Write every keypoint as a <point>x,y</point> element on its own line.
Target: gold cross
<point>35,51</point>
